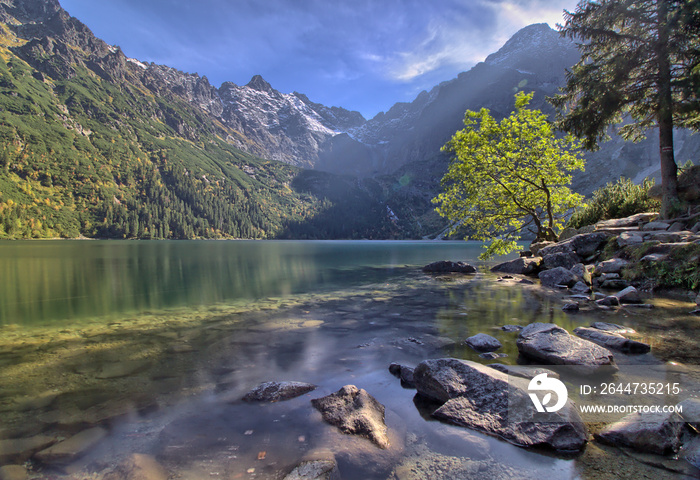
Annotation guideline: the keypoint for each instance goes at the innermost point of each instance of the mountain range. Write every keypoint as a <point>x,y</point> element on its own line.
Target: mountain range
<point>99,144</point>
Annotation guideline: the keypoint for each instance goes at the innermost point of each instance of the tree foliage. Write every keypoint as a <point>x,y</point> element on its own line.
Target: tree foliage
<point>509,175</point>
<point>639,68</point>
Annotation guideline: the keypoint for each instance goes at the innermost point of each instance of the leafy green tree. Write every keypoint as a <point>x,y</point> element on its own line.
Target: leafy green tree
<point>509,175</point>
<point>639,67</point>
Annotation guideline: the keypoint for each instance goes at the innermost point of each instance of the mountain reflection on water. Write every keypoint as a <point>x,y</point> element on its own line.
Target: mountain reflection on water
<point>158,342</point>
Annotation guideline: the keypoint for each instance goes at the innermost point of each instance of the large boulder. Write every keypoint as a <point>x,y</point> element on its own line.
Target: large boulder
<point>482,398</point>
<point>658,433</point>
<point>551,344</point>
<point>612,341</point>
<point>277,391</point>
<point>560,259</point>
<point>584,245</point>
<point>446,266</point>
<point>520,266</point>
<point>557,276</point>
<point>356,412</point>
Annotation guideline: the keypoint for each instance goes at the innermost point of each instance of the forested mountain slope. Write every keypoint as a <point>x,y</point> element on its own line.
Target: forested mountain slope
<point>94,143</point>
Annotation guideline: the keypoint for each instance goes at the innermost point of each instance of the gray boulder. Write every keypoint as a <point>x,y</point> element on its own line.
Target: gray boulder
<point>609,301</point>
<point>629,295</point>
<point>535,248</point>
<point>612,341</point>
<point>629,238</point>
<point>520,266</point>
<point>483,342</point>
<point>481,398</point>
<point>580,287</point>
<point>557,276</point>
<point>658,433</point>
<point>571,307</point>
<point>355,412</point>
<point>583,272</point>
<point>277,391</point>
<point>614,265</point>
<point>552,344</point>
<point>652,226</point>
<point>560,259</point>
<point>614,284</point>
<point>584,245</point>
<point>446,266</point>
<point>404,373</point>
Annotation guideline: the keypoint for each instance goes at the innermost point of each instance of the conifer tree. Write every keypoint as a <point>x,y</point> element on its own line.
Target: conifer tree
<point>639,65</point>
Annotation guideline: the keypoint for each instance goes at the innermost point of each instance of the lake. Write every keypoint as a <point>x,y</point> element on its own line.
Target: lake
<point>157,342</point>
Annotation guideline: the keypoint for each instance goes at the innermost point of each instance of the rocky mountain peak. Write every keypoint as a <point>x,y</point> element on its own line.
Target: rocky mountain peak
<point>260,84</point>
<point>537,41</point>
<point>26,11</point>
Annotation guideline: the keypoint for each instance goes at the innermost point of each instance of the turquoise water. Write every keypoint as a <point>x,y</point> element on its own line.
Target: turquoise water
<point>60,281</point>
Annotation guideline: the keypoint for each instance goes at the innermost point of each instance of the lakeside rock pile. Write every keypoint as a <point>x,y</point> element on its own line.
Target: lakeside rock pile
<point>602,257</point>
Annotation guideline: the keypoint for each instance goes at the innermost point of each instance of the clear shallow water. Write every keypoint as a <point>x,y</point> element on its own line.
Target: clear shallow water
<point>158,341</point>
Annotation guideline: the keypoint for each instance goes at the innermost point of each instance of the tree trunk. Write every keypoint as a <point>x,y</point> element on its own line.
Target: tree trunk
<point>669,170</point>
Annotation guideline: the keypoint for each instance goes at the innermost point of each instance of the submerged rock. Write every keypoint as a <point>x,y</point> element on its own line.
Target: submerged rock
<point>316,466</point>
<point>552,344</point>
<point>483,343</point>
<point>138,467</point>
<point>446,266</point>
<point>482,398</point>
<point>612,328</point>
<point>13,472</point>
<point>20,449</point>
<point>356,412</point>
<point>278,391</point>
<point>652,433</point>
<point>512,328</point>
<point>612,341</point>
<point>72,448</point>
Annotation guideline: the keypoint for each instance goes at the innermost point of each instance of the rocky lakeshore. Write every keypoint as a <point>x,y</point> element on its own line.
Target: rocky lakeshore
<point>299,386</point>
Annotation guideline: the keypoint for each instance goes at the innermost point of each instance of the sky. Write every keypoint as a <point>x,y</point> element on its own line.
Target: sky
<point>362,55</point>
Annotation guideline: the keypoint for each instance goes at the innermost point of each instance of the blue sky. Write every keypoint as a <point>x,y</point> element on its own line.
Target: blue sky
<point>363,55</point>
